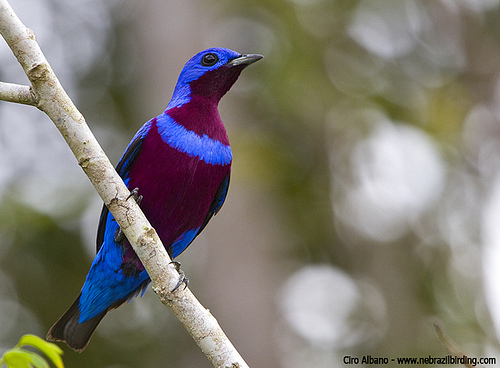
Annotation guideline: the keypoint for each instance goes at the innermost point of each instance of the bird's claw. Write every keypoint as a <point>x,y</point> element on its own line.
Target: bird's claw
<point>119,235</point>
<point>134,193</point>
<point>182,277</point>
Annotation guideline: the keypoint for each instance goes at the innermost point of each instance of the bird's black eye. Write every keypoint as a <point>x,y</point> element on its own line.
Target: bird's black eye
<point>209,59</point>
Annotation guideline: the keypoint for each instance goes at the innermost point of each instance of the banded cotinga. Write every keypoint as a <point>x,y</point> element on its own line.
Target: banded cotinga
<point>180,161</point>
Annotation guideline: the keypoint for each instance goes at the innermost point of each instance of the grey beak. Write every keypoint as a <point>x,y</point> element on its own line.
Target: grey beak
<point>245,59</point>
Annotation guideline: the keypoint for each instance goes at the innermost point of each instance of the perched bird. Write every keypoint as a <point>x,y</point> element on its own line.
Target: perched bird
<point>180,163</point>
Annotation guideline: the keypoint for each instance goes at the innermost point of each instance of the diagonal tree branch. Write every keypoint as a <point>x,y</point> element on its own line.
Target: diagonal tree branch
<point>47,94</point>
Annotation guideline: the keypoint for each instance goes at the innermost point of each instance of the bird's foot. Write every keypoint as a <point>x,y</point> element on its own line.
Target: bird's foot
<point>134,193</point>
<point>182,277</point>
<point>119,235</point>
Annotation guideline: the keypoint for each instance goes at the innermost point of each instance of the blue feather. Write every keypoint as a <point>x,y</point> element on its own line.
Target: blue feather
<point>183,241</point>
<point>132,150</point>
<point>205,148</point>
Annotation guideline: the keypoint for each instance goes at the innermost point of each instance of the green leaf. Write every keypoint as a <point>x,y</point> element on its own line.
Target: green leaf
<point>52,351</point>
<point>17,358</point>
<point>38,361</point>
<point>21,358</point>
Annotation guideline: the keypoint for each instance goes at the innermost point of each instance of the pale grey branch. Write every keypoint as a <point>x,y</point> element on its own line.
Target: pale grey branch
<point>53,100</point>
<point>17,93</point>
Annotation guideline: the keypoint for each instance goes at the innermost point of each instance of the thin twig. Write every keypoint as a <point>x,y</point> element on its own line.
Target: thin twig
<point>17,93</point>
<point>452,346</point>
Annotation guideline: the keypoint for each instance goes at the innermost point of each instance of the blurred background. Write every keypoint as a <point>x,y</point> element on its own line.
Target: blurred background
<point>364,203</point>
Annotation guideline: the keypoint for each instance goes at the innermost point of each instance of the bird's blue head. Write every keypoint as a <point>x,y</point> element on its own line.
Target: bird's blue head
<point>210,74</point>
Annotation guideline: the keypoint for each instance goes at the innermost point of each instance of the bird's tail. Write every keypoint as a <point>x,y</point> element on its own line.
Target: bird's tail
<point>71,331</point>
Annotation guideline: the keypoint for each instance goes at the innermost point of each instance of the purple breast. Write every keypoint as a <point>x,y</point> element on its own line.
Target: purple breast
<point>177,189</point>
